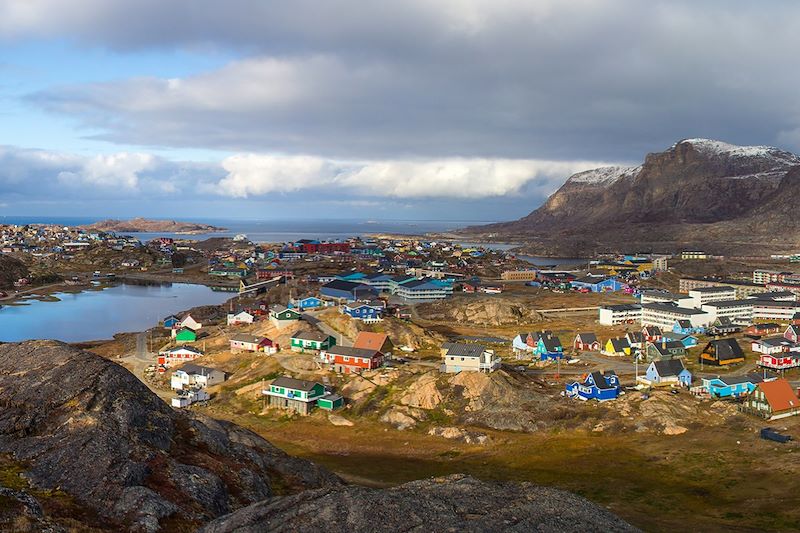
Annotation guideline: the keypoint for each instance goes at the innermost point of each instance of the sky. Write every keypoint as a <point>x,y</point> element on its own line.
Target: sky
<point>448,110</point>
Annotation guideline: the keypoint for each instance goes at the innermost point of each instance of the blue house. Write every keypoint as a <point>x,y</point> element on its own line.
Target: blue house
<point>310,302</point>
<point>363,311</point>
<point>595,386</point>
<point>598,284</point>
<point>171,321</point>
<point>549,347</point>
<point>668,372</point>
<point>687,340</point>
<point>732,386</point>
<point>347,290</point>
<point>351,276</point>
<point>684,327</point>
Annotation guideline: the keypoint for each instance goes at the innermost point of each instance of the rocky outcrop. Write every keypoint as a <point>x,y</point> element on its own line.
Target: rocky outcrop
<point>454,503</point>
<point>86,426</point>
<point>146,225</point>
<point>697,191</point>
<point>11,270</point>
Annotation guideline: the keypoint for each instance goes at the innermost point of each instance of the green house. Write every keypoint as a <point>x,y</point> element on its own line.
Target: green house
<point>295,394</point>
<point>331,402</point>
<point>280,312</point>
<point>311,341</point>
<point>186,335</point>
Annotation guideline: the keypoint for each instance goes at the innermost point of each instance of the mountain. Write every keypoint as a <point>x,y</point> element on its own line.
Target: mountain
<point>721,197</point>
<point>85,446</point>
<point>138,225</point>
<point>95,444</point>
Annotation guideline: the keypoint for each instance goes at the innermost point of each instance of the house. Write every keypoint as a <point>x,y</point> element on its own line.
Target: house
<point>771,345</point>
<point>635,339</point>
<point>772,400</point>
<point>374,341</point>
<point>181,354</point>
<point>616,347</point>
<point>722,352</point>
<point>779,361</point>
<point>597,284</point>
<point>424,289</point>
<point>762,329</point>
<point>459,357</point>
<point>185,398</point>
<point>280,315</point>
<point>350,360</point>
<point>189,322</point>
<point>171,321</point>
<point>311,340</point>
<point>548,347</point>
<point>294,394</point>
<point>586,342</point>
<point>184,335</point>
<point>723,326</point>
<point>526,342</point>
<point>242,317</point>
<point>792,333</point>
<point>363,311</point>
<point>732,386</point>
<point>191,375</point>
<point>668,372</point>
<point>664,349</point>
<point>687,340</point>
<point>685,327</point>
<point>595,386</point>
<point>651,333</point>
<point>309,302</point>
<point>245,342</point>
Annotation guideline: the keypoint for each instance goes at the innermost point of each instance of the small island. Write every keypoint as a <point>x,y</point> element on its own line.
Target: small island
<point>144,225</point>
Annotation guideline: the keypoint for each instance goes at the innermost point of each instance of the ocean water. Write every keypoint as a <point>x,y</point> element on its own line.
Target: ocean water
<point>278,230</point>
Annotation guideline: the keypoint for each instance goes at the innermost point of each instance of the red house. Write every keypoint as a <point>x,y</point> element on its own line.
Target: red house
<point>586,342</point>
<point>779,361</point>
<point>349,360</point>
<point>651,333</point>
<point>762,329</point>
<point>792,333</point>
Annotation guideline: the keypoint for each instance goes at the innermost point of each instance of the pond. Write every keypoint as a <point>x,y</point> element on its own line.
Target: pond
<point>99,314</point>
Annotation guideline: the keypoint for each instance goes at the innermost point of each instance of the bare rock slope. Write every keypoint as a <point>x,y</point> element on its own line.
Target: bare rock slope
<point>86,426</point>
<point>454,503</point>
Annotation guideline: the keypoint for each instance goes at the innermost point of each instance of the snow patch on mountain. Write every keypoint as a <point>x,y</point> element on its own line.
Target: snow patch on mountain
<point>719,148</point>
<point>604,175</point>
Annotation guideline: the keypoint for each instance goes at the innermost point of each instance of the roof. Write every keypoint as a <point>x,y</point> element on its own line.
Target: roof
<point>350,351</point>
<point>634,336</point>
<point>651,330</point>
<point>551,343</point>
<point>247,337</point>
<point>600,381</point>
<point>779,394</point>
<point>464,350</point>
<point>370,340</point>
<point>684,324</point>
<point>620,344</point>
<point>342,285</point>
<point>718,288</point>
<point>191,368</point>
<point>727,349</point>
<point>735,380</point>
<point>185,349</point>
<point>666,348</point>
<point>295,384</point>
<point>730,303</point>
<point>672,308</point>
<point>311,335</point>
<point>669,367</point>
<point>622,307</point>
<point>588,338</point>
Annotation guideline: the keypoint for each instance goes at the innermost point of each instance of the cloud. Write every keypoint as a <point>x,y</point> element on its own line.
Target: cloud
<point>257,175</point>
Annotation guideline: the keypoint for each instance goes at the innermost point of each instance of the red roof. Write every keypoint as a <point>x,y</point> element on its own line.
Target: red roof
<point>370,341</point>
<point>779,395</point>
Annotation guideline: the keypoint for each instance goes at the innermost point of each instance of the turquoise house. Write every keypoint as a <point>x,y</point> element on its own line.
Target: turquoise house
<point>731,386</point>
<point>548,347</point>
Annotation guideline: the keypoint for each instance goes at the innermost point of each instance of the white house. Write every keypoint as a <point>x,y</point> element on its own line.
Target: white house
<point>242,317</point>
<point>187,398</point>
<point>611,315</point>
<point>192,375</point>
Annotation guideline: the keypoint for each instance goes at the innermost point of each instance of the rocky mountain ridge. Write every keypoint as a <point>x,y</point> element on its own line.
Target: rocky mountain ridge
<point>139,225</point>
<point>724,197</point>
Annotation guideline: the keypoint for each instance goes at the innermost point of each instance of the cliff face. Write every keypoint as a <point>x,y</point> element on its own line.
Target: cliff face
<point>698,189</point>
<point>83,425</point>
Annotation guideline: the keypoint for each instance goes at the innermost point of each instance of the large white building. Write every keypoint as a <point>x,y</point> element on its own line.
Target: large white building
<point>649,297</point>
<point>739,311</point>
<point>703,295</point>
<point>774,310</point>
<point>611,315</point>
<point>664,315</point>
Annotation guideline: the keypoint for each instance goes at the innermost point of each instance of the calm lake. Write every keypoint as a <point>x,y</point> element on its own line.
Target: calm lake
<point>99,314</point>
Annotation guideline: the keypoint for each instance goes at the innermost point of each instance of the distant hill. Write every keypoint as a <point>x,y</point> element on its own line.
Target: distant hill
<point>699,192</point>
<point>10,271</point>
<point>144,225</point>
